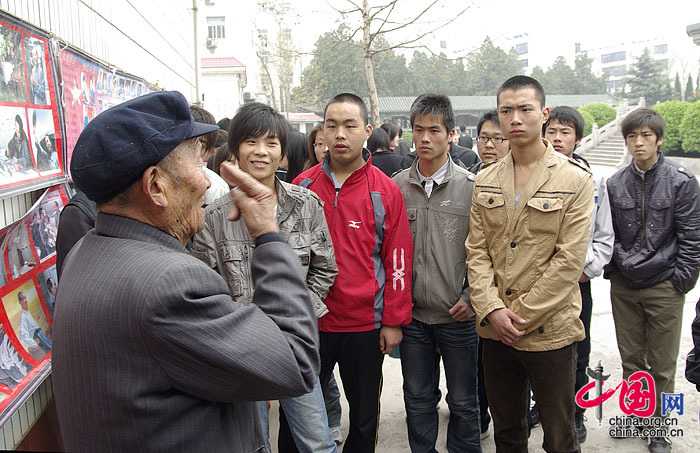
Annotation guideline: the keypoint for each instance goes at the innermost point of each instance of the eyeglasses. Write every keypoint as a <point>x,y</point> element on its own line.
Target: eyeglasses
<point>495,140</point>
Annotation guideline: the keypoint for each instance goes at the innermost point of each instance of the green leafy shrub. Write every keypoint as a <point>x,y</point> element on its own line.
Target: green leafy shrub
<point>690,127</point>
<point>602,113</point>
<point>588,121</point>
<point>673,113</point>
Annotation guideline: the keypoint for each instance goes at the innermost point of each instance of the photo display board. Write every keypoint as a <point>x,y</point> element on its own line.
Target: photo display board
<point>88,88</point>
<point>31,147</point>
<point>28,284</point>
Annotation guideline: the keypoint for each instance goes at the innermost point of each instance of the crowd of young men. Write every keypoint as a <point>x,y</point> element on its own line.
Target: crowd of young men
<point>481,263</point>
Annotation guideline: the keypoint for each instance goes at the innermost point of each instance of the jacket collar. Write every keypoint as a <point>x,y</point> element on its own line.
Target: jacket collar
<point>649,172</point>
<point>285,202</point>
<point>540,175</point>
<point>413,177</point>
<point>127,228</point>
<point>326,167</point>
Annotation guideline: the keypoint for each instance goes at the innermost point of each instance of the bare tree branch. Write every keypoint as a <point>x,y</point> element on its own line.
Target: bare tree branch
<point>379,9</point>
<point>343,12</point>
<point>412,21</point>
<point>372,36</point>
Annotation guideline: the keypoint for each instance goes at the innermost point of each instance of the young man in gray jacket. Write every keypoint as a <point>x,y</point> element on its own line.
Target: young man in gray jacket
<point>437,194</point>
<point>564,130</point>
<point>257,138</point>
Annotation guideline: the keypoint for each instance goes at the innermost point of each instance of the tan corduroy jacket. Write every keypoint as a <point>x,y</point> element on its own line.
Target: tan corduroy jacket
<point>529,257</point>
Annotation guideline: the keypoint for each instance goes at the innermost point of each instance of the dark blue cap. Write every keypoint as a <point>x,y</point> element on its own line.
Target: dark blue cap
<point>119,144</point>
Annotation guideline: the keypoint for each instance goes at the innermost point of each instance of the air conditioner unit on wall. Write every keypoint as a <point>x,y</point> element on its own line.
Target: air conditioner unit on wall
<point>211,43</point>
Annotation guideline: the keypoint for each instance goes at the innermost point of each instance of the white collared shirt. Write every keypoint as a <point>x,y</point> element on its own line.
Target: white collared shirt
<point>429,182</point>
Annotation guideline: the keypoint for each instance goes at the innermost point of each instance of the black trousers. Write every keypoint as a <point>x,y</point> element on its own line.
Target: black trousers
<point>583,347</point>
<point>360,364</point>
<point>507,372</point>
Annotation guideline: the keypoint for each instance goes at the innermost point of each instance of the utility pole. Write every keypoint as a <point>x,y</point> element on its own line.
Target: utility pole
<point>197,101</point>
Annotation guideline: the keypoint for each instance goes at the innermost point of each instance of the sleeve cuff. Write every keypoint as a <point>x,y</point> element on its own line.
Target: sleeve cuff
<point>268,237</point>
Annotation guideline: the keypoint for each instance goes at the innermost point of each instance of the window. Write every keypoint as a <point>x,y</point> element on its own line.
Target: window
<point>216,28</point>
<point>661,48</point>
<point>615,71</point>
<point>521,49</point>
<point>615,56</point>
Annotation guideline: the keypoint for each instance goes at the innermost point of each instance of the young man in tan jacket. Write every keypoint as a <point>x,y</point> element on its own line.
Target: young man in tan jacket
<point>529,231</point>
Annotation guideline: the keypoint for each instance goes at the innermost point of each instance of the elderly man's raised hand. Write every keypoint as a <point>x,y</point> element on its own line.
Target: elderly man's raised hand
<point>255,202</point>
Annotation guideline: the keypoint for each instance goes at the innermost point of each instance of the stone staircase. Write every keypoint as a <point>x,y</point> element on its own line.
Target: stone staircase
<point>609,152</point>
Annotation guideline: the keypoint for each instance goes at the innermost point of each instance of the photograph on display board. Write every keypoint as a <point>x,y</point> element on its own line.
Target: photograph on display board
<point>12,81</point>
<point>27,319</point>
<point>36,66</point>
<point>19,252</point>
<point>43,225</point>
<point>15,154</point>
<point>3,278</point>
<point>44,140</point>
<point>12,367</point>
<point>48,280</point>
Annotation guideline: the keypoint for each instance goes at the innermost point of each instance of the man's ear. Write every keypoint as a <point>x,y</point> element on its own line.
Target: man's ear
<point>545,115</point>
<point>659,142</point>
<point>154,185</point>
<point>368,130</point>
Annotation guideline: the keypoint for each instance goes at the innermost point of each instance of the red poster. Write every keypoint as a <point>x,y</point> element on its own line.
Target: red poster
<point>89,88</point>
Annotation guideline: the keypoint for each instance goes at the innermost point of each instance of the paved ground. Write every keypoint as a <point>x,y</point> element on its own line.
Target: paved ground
<point>392,431</point>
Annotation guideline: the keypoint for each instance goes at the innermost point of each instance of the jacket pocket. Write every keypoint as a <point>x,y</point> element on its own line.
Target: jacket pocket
<point>494,212</point>
<point>626,221</point>
<point>659,213</point>
<point>234,263</point>
<point>412,214</point>
<point>301,244</point>
<point>544,215</point>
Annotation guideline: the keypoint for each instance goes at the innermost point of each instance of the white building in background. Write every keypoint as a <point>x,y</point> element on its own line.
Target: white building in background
<point>247,53</point>
<point>520,44</point>
<point>616,61</point>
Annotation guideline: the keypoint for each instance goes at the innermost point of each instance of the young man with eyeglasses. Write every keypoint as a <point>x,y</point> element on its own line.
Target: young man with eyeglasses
<point>529,229</point>
<point>490,142</point>
<point>437,193</point>
<point>564,130</point>
<point>655,207</point>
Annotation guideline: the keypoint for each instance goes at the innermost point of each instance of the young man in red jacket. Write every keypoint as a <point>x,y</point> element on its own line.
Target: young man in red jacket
<point>371,297</point>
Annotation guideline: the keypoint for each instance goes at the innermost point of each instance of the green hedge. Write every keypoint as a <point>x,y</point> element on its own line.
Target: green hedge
<point>673,113</point>
<point>690,127</point>
<point>588,121</point>
<point>602,113</point>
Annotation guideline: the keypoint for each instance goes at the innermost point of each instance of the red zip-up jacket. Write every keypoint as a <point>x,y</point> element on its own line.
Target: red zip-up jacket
<point>373,249</point>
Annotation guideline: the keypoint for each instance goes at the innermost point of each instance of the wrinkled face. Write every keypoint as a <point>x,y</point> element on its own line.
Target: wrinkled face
<point>186,187</point>
<point>643,144</point>
<point>260,157</point>
<point>431,137</point>
<point>490,143</point>
<point>345,133</point>
<point>521,116</point>
<point>562,137</point>
<point>320,148</point>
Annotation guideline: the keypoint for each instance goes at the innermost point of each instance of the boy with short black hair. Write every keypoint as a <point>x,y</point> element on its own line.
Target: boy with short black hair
<point>656,258</point>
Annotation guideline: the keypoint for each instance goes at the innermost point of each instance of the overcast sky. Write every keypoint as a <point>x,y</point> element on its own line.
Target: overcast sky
<point>553,27</point>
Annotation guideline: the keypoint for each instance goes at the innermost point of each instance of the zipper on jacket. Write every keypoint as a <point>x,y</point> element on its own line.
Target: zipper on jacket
<point>644,214</point>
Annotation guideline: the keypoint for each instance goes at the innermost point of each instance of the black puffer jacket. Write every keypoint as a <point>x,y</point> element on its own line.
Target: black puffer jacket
<point>657,226</point>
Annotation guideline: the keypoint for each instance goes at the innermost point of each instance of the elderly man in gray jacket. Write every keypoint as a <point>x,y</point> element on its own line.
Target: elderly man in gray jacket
<point>437,194</point>
<point>150,352</point>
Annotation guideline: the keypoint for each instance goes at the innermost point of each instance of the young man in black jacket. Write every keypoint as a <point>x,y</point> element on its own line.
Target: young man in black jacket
<point>655,206</point>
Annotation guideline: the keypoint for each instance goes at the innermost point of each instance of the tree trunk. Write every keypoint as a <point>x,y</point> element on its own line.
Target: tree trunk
<point>369,66</point>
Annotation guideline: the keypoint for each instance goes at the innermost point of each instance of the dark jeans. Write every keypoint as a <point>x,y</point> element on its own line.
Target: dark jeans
<point>484,416</point>
<point>551,374</point>
<point>360,364</point>
<point>583,347</point>
<point>458,346</point>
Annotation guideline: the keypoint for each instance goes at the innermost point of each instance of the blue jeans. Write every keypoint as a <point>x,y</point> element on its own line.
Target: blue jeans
<point>457,343</point>
<point>308,423</point>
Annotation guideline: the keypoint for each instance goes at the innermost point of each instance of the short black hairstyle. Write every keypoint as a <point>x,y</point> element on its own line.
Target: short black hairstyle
<point>435,105</point>
<point>379,140</point>
<point>567,116</point>
<point>255,120</point>
<point>351,99</point>
<point>492,116</point>
<point>519,82</point>
<point>644,117</point>
<point>224,123</point>
<point>296,154</point>
<point>202,115</point>
<point>391,129</point>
